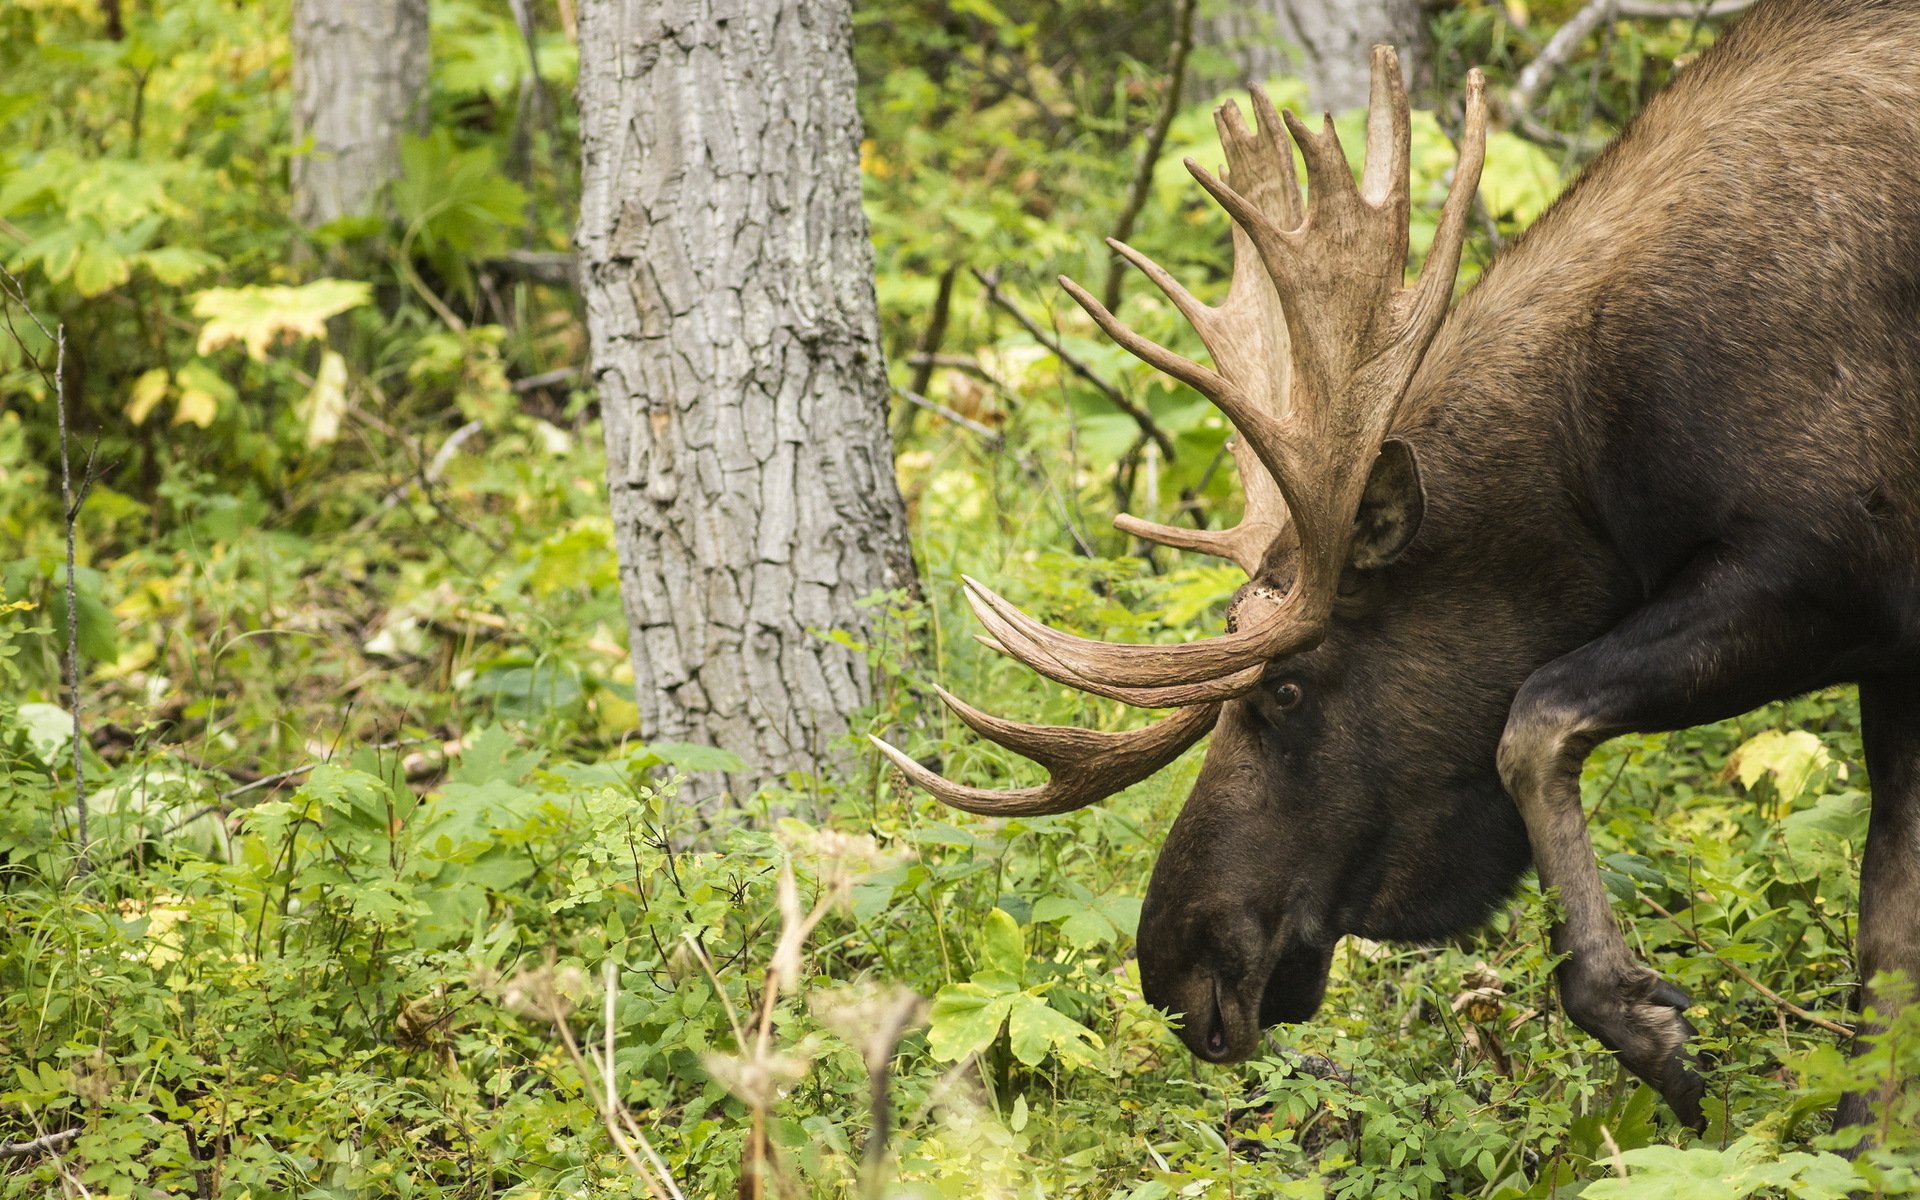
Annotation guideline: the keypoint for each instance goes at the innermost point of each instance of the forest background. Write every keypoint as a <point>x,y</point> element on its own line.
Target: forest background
<point>382,896</point>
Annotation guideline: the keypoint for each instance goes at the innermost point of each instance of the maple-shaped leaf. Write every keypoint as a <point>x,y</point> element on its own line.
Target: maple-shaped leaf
<point>257,315</point>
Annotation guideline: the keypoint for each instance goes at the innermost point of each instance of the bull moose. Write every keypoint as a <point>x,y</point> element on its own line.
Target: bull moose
<point>1661,465</point>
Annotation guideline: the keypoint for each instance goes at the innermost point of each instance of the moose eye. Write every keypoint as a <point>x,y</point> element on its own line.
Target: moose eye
<point>1288,696</point>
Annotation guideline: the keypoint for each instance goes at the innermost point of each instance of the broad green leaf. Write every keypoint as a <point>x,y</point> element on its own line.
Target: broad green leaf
<point>175,265</point>
<point>965,1019</point>
<point>1035,1027</point>
<point>98,268</point>
<point>49,729</point>
<point>256,316</point>
<point>1519,180</point>
<point>1087,928</point>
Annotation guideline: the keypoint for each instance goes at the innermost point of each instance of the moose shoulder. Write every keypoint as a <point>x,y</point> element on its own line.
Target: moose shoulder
<point>1660,466</point>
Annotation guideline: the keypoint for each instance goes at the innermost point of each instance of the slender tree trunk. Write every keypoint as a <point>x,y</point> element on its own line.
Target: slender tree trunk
<point>359,82</point>
<point>736,348</point>
<point>1325,42</point>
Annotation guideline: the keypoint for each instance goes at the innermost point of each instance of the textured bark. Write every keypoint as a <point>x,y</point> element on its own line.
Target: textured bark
<point>1325,42</point>
<point>359,82</point>
<point>736,349</point>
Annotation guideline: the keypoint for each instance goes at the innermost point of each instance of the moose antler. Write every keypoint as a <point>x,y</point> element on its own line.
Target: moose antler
<point>1312,357</point>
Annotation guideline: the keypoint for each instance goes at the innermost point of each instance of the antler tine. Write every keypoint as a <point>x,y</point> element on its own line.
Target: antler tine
<point>1084,766</point>
<point>1008,640</point>
<point>1434,289</point>
<point>1208,383</point>
<point>1247,336</point>
<point>1262,519</point>
<point>1260,160</point>
<point>1389,133</point>
<point>1230,656</point>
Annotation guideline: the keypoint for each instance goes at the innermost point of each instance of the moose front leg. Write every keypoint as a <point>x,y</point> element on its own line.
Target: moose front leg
<point>1714,644</point>
<point>1633,1011</point>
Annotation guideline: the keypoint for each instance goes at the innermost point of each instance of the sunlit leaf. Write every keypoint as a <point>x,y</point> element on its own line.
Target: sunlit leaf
<point>966,1018</point>
<point>327,402</point>
<point>98,267</point>
<point>1790,756</point>
<point>147,391</point>
<point>256,316</point>
<point>202,392</point>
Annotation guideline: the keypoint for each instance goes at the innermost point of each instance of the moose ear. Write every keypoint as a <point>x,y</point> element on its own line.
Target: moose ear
<point>1390,509</point>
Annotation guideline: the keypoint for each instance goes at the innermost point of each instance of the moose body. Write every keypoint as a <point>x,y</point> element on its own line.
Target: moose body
<point>1667,469</point>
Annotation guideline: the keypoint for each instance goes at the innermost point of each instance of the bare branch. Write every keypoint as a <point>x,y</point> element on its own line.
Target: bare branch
<point>1141,416</point>
<point>39,1145</point>
<point>1150,155</point>
<point>933,406</point>
<point>1561,46</point>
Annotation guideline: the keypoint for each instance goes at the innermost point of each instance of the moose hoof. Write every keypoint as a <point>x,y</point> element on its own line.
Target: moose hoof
<point>1638,1016</point>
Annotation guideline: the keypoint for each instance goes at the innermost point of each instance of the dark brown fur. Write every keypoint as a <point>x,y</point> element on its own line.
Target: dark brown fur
<point>1670,449</point>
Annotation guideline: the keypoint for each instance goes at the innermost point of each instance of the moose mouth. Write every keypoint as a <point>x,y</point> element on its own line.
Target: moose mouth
<point>1227,1026</point>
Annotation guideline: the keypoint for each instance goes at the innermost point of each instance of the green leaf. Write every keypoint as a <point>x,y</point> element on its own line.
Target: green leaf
<point>965,1019</point>
<point>98,268</point>
<point>1003,948</point>
<point>1035,1027</point>
<point>49,729</point>
<point>174,265</point>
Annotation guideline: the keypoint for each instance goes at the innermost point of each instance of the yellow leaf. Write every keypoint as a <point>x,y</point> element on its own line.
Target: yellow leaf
<point>201,392</point>
<point>148,390</point>
<point>257,315</point>
<point>1791,757</point>
<point>195,407</point>
<point>327,402</point>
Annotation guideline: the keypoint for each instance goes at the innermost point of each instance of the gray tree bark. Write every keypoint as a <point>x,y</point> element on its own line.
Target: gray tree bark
<point>735,337</point>
<point>1325,42</point>
<point>359,81</point>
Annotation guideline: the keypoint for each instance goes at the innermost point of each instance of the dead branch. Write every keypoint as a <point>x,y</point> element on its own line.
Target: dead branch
<point>1567,39</point>
<point>1150,155</point>
<point>933,406</point>
<point>1141,417</point>
<point>39,1145</point>
<point>1779,1001</point>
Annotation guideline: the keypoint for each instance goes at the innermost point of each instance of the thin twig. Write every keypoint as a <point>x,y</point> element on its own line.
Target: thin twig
<point>278,776</point>
<point>933,406</point>
<point>51,1141</point>
<point>73,605</point>
<point>545,378</point>
<point>1567,39</point>
<point>427,477</point>
<point>1150,155</point>
<point>1141,417</point>
<point>1755,984</point>
<point>924,362</point>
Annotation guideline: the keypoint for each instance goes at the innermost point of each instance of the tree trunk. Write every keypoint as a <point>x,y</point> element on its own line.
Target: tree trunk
<point>1325,42</point>
<point>736,348</point>
<point>359,81</point>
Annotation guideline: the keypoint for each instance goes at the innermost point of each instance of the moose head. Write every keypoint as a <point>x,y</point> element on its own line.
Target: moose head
<point>1314,815</point>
